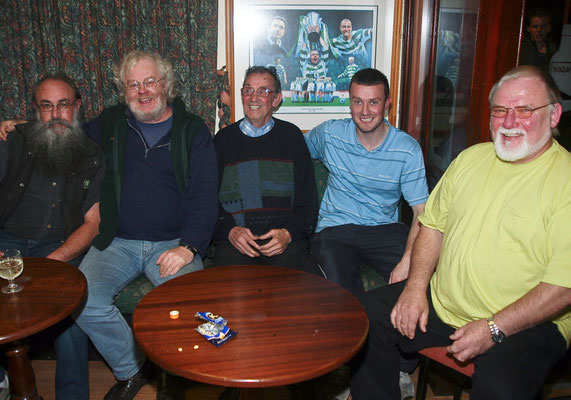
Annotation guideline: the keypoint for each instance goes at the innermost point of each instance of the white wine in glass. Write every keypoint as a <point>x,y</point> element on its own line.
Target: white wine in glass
<point>11,266</point>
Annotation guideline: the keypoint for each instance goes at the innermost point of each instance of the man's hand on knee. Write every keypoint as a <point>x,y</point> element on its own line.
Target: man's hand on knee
<point>410,309</point>
<point>471,340</point>
<point>174,259</point>
<point>243,240</point>
<point>400,272</point>
<point>280,238</point>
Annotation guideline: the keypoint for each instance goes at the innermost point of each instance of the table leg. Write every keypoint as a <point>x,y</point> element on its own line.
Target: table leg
<point>22,378</point>
<point>170,387</point>
<point>258,393</point>
<point>233,393</point>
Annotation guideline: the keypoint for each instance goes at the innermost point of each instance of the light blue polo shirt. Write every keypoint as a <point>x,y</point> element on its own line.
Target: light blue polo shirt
<point>364,187</point>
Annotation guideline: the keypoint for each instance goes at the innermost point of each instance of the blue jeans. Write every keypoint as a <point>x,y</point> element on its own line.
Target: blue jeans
<point>107,272</point>
<point>72,368</point>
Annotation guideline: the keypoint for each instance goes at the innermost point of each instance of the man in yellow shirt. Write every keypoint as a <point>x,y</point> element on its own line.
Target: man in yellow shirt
<point>490,271</point>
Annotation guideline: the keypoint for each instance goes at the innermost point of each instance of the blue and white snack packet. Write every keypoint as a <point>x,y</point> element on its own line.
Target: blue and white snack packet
<point>208,316</point>
<point>215,330</point>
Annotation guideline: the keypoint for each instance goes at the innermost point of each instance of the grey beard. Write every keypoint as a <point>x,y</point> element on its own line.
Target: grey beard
<point>150,116</point>
<point>57,150</point>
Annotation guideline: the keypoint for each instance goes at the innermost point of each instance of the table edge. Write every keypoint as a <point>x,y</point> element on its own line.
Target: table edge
<point>62,314</point>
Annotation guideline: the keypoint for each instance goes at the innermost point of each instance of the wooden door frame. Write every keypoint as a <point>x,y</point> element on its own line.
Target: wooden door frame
<point>497,42</point>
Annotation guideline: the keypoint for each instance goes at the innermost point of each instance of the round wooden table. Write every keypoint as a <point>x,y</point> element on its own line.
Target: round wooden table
<point>292,326</point>
<point>52,290</point>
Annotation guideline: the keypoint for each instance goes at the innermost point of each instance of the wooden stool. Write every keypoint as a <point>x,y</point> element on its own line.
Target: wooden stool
<point>441,356</point>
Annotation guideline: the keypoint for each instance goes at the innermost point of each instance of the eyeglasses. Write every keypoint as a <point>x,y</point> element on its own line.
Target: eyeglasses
<point>262,91</point>
<point>61,106</point>
<point>520,111</point>
<point>149,84</point>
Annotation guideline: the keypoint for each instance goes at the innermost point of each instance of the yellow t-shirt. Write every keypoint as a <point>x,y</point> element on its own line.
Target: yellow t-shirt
<point>507,227</point>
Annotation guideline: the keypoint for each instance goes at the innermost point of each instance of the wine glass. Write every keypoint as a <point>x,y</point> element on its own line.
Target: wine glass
<point>11,266</point>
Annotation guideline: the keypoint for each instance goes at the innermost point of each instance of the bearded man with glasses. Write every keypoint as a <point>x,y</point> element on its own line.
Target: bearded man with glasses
<point>268,196</point>
<point>490,274</point>
<point>49,204</point>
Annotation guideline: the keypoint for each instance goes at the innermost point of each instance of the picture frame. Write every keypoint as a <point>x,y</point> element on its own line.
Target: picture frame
<point>376,28</point>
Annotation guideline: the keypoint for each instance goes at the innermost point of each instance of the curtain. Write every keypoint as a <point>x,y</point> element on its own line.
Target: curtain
<point>83,39</point>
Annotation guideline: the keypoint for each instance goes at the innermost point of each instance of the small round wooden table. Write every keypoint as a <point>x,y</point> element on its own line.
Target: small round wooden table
<point>52,290</point>
<point>292,326</point>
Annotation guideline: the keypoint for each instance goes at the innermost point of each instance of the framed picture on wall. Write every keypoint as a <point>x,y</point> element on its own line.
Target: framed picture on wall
<point>316,47</point>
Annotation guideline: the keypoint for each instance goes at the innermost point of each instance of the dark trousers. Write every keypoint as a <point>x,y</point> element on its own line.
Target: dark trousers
<point>296,256</point>
<point>71,343</point>
<point>341,250</point>
<point>513,369</point>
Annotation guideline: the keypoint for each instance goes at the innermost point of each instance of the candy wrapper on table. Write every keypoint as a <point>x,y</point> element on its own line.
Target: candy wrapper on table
<point>209,317</point>
<point>215,329</point>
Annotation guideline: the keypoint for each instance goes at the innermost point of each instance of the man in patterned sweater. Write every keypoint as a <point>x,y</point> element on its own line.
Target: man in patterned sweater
<point>268,197</point>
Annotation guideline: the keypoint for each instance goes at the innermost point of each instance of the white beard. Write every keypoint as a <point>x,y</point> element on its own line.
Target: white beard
<point>511,153</point>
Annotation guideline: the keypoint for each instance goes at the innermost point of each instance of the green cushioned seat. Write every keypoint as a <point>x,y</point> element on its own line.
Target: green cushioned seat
<point>371,278</point>
<point>128,298</point>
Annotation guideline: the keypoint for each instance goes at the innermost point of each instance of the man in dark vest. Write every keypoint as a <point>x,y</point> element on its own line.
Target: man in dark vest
<point>49,204</point>
<point>158,205</point>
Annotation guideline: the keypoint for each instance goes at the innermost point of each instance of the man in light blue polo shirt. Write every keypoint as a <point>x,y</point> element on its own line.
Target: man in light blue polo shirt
<point>371,165</point>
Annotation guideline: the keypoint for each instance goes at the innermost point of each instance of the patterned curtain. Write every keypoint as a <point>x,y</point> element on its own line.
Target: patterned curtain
<point>84,38</point>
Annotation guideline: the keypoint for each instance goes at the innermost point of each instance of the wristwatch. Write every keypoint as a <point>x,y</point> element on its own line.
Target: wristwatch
<point>188,247</point>
<point>497,335</point>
